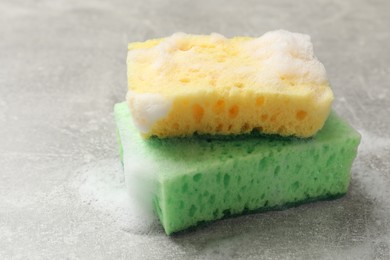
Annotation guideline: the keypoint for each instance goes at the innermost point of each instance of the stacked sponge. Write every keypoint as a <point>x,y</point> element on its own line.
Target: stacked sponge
<point>212,85</point>
<point>234,133</point>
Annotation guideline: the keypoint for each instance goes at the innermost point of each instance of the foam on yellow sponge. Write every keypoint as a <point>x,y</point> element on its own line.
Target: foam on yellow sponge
<point>208,84</point>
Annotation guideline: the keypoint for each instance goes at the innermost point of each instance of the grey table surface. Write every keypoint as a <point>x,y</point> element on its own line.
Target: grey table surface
<point>62,68</point>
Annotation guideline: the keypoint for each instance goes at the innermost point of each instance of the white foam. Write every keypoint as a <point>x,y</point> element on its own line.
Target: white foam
<point>280,54</point>
<point>285,54</point>
<point>371,143</point>
<point>370,165</point>
<point>101,186</point>
<point>216,37</point>
<point>147,109</point>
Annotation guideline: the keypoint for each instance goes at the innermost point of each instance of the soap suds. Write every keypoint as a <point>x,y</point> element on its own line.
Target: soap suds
<point>101,186</point>
<point>370,164</point>
<point>217,38</point>
<point>371,143</point>
<point>147,109</point>
<point>287,55</point>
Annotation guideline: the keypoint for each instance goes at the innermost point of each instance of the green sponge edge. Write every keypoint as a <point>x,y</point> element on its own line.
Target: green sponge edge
<point>166,202</point>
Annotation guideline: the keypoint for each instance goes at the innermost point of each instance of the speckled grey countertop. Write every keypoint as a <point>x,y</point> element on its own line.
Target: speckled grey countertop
<point>62,68</point>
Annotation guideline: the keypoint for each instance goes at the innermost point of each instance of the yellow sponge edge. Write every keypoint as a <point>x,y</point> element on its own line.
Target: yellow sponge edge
<point>208,84</point>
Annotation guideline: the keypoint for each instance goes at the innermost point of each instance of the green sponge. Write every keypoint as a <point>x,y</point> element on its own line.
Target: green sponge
<point>200,179</point>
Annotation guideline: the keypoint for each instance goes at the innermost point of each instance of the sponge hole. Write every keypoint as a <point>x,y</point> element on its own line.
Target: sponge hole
<point>216,213</point>
<point>245,127</point>
<point>194,70</point>
<point>263,164</point>
<point>212,199</point>
<point>260,129</point>
<point>233,111</point>
<point>287,79</point>
<point>274,117</point>
<point>184,188</point>
<point>184,46</point>
<point>185,80</point>
<point>219,177</point>
<point>219,128</point>
<point>295,186</point>
<point>239,85</point>
<point>250,150</point>
<point>260,101</point>
<point>300,115</point>
<point>276,171</point>
<point>197,112</point>
<point>219,106</point>
<point>330,160</point>
<point>176,126</point>
<point>197,177</point>
<point>226,180</point>
<point>226,213</point>
<point>192,211</point>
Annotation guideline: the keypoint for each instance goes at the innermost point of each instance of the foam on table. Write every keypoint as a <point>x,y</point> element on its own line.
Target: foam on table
<point>208,84</point>
<point>200,179</point>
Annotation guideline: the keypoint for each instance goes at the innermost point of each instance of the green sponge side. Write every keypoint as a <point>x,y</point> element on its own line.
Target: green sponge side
<point>203,178</point>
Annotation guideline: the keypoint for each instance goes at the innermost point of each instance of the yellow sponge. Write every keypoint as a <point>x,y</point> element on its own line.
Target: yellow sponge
<point>208,84</point>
